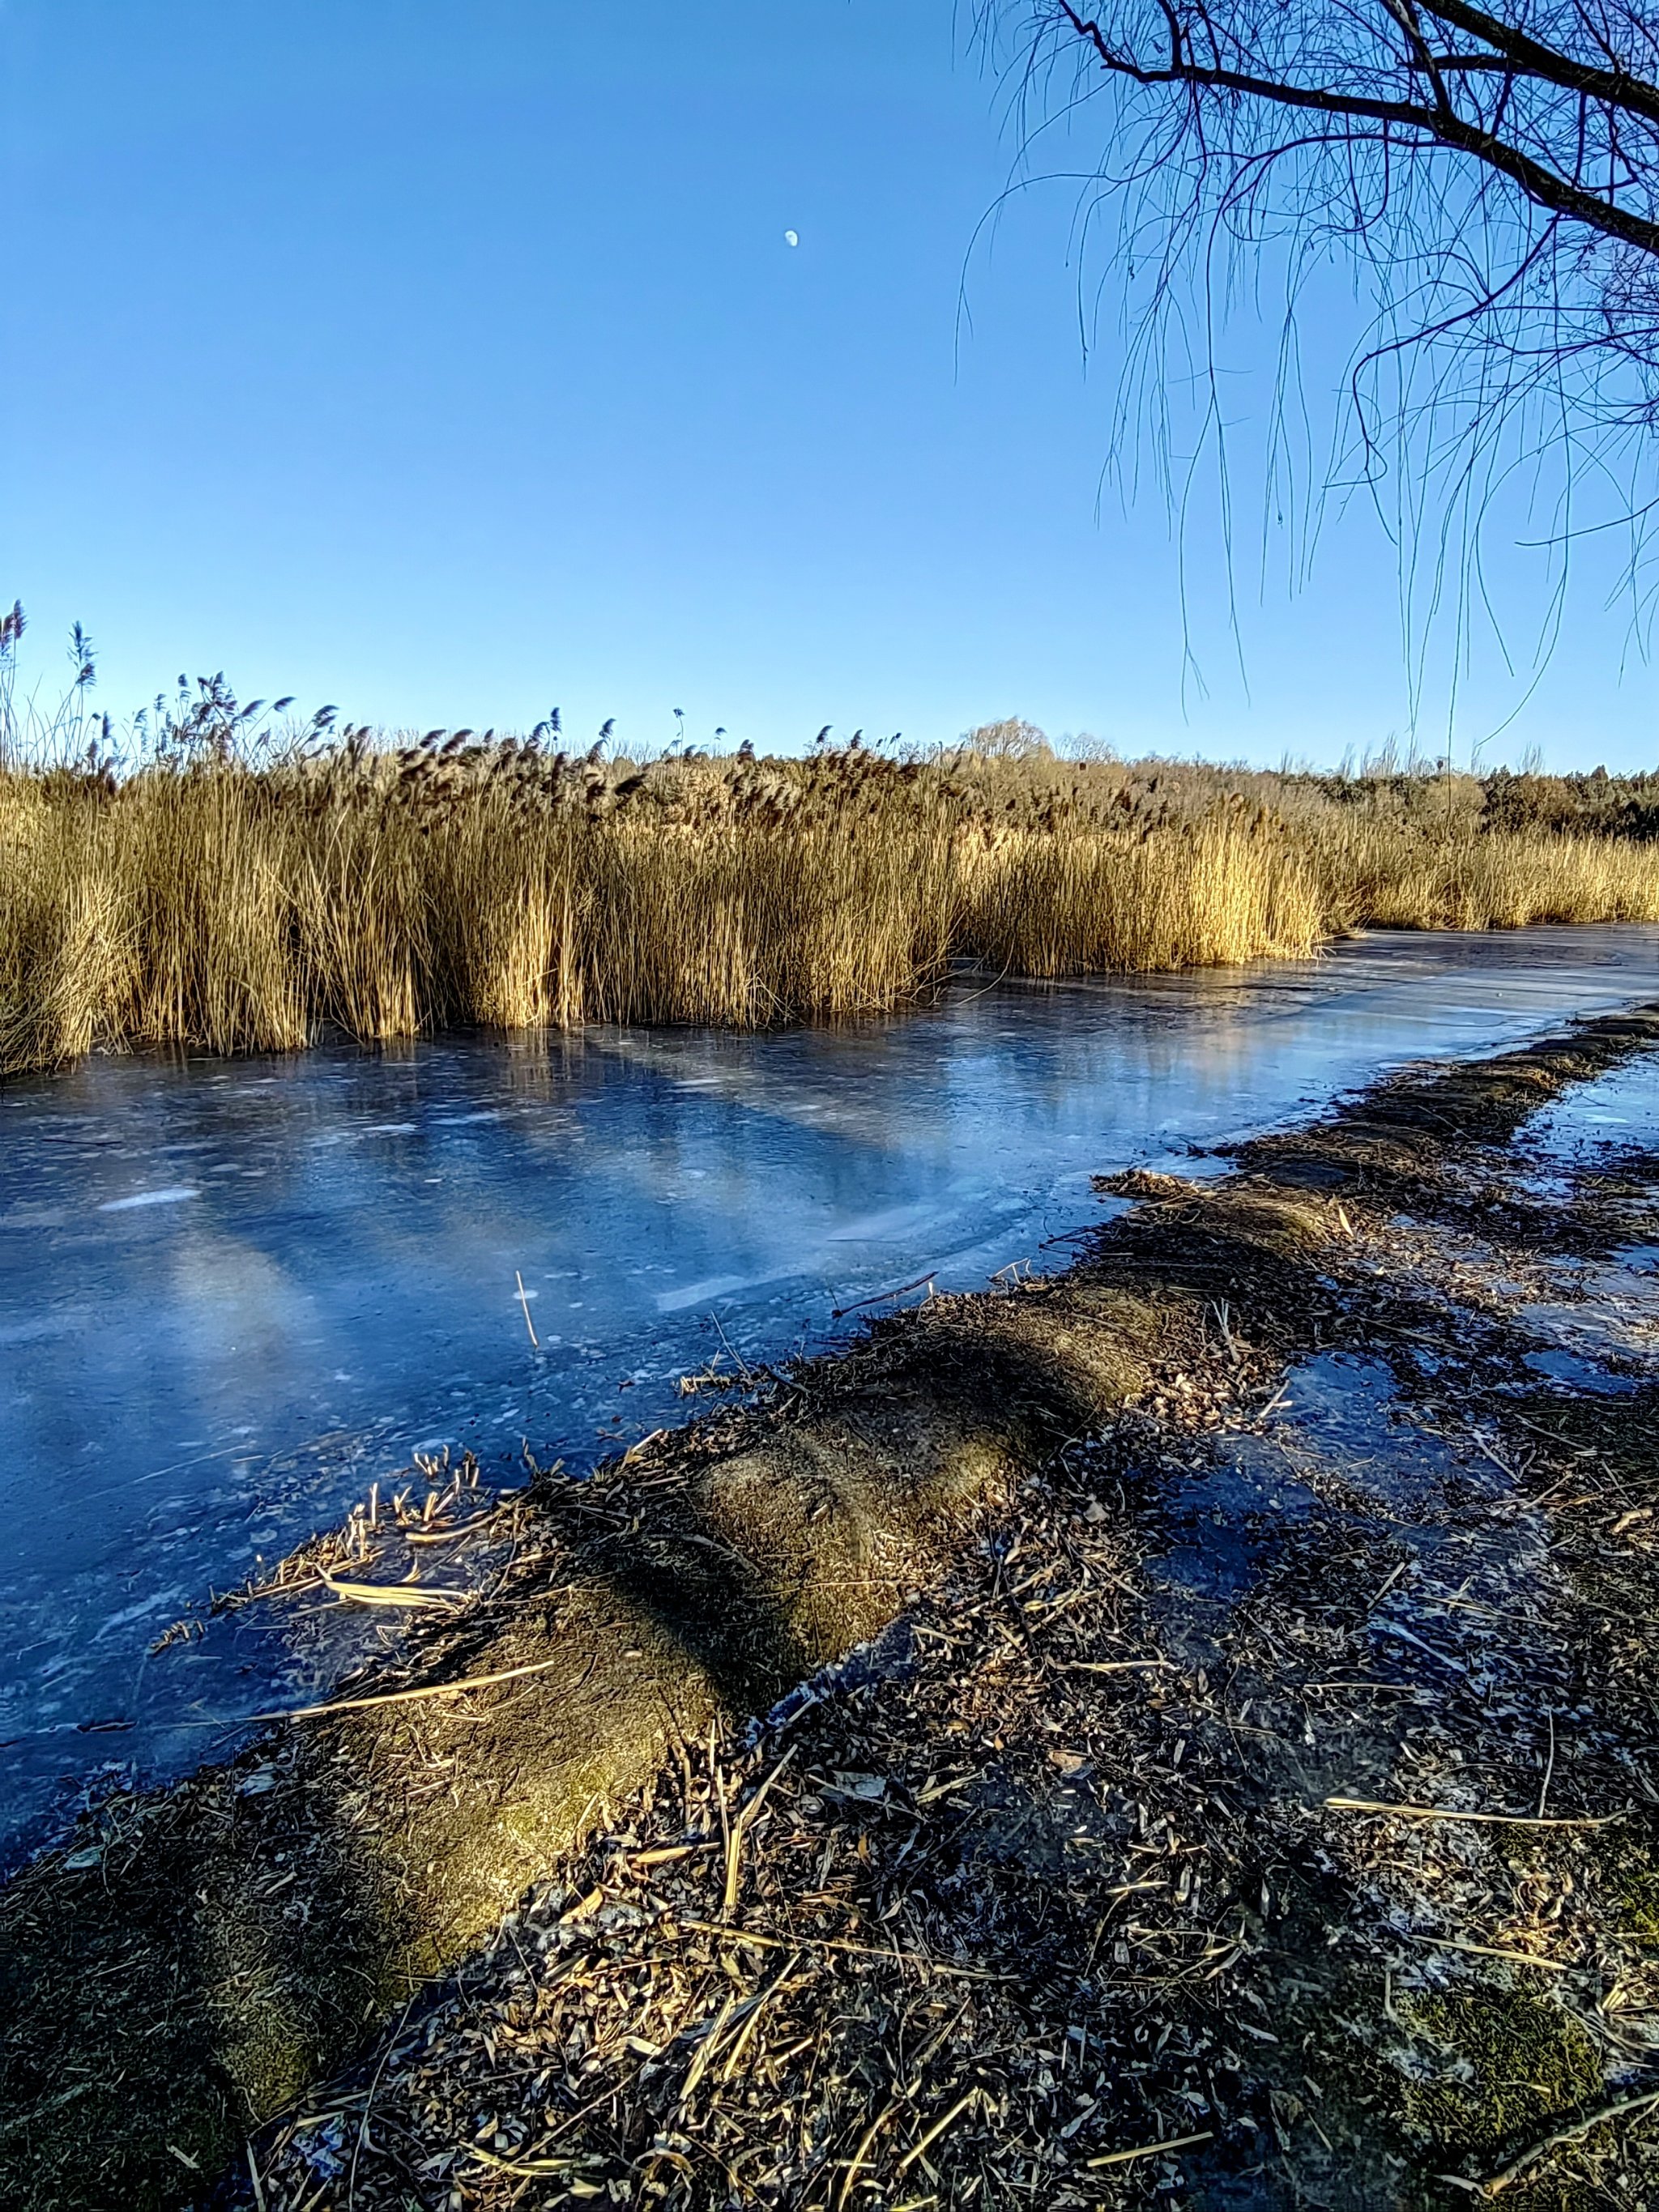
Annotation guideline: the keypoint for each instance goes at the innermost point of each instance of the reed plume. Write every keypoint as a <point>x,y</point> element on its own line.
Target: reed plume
<point>204,899</point>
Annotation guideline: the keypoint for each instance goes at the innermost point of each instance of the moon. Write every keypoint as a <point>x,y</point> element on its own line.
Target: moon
<point>792,238</point>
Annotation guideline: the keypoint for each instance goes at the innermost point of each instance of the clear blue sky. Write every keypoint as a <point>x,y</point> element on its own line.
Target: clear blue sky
<point>449,363</point>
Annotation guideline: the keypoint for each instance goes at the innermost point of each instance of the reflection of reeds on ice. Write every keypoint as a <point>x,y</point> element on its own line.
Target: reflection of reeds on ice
<point>238,908</point>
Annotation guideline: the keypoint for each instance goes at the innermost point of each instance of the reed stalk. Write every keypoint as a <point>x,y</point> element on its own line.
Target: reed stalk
<point>233,907</point>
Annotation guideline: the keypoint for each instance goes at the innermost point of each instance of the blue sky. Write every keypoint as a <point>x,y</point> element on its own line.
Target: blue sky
<point>448,362</point>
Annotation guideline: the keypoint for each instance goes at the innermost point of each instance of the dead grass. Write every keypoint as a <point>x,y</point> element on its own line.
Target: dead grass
<point>231,908</point>
<point>1395,878</point>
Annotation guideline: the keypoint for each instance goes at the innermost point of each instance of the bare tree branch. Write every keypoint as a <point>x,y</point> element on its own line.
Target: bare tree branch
<point>1437,120</point>
<point>1490,173</point>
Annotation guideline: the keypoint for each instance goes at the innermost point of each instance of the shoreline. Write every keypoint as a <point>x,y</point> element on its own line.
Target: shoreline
<point>698,1585</point>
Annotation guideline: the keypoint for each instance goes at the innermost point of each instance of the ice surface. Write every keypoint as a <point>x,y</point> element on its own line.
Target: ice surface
<point>233,1294</point>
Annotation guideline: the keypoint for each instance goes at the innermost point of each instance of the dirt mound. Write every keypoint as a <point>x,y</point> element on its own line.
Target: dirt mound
<point>185,1971</point>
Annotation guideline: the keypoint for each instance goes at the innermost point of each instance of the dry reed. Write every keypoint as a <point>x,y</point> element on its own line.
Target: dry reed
<point>232,907</point>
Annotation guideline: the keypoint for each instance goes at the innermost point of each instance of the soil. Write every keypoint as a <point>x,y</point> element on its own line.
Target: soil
<point>1205,1756</point>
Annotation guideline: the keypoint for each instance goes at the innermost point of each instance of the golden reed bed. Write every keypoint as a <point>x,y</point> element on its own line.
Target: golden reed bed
<point>236,908</point>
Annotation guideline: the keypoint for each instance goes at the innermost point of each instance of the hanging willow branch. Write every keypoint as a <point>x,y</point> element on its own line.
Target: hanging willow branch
<point>1496,175</point>
<point>1492,180</point>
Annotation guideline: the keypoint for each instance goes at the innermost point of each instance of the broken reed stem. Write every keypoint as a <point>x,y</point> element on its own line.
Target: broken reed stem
<point>1155,2149</point>
<point>917,1959</point>
<point>740,2040</point>
<point>724,1812</point>
<point>530,2169</point>
<point>735,1831</point>
<point>1484,1820</point>
<point>393,1594</point>
<point>707,2048</point>
<point>410,1697</point>
<point>1488,1951</point>
<point>938,2129</point>
<point>860,2157</point>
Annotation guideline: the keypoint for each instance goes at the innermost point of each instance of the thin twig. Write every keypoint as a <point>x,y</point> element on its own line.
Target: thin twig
<point>363,2125</point>
<point>743,1368</point>
<point>860,2157</point>
<point>736,2048</point>
<point>1499,2181</point>
<point>919,1959</point>
<point>882,1298</point>
<point>708,2047</point>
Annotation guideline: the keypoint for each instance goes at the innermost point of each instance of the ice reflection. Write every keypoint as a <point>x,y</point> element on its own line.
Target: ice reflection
<point>231,1295</point>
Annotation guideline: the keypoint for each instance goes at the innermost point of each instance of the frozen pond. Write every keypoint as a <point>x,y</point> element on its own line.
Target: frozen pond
<point>233,1294</point>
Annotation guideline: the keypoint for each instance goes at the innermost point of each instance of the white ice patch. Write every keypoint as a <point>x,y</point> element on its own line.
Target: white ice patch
<point>715,1286</point>
<point>176,1194</point>
<point>132,1613</point>
<point>876,1228</point>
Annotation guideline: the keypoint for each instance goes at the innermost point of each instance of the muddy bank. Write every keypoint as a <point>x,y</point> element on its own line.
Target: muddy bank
<point>1051,1872</point>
